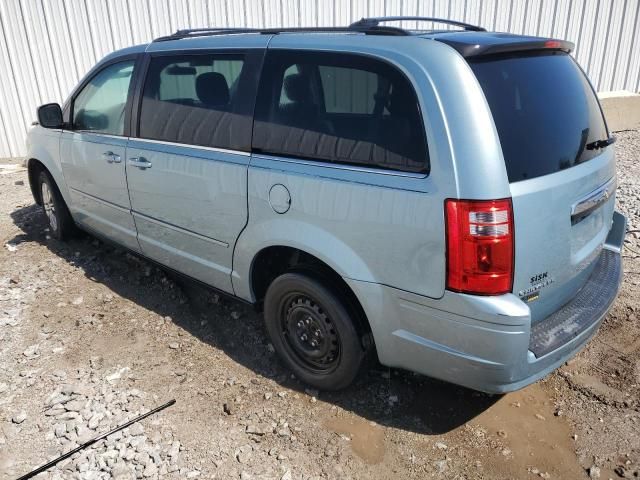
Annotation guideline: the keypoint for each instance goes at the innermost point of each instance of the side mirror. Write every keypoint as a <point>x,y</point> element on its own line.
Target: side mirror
<point>50,115</point>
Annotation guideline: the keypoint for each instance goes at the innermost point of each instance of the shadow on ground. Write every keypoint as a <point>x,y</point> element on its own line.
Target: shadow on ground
<point>424,405</point>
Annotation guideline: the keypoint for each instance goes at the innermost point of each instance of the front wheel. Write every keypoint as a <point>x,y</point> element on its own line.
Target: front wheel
<point>60,222</point>
<point>312,331</point>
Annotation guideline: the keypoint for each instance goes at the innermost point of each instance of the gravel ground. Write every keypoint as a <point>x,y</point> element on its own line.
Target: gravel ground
<point>91,337</point>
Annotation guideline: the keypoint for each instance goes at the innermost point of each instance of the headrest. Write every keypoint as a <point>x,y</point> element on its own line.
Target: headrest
<point>297,88</point>
<point>212,89</point>
<point>401,101</point>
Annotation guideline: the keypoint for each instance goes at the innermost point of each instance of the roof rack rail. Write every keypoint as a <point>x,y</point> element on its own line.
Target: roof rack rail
<point>205,32</point>
<point>373,22</point>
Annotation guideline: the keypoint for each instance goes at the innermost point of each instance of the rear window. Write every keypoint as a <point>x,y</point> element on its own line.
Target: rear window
<point>545,111</point>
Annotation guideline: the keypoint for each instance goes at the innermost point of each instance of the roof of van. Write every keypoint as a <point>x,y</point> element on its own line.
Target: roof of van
<point>469,40</point>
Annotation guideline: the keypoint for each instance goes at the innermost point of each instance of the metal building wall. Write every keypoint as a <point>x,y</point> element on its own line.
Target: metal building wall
<point>47,45</point>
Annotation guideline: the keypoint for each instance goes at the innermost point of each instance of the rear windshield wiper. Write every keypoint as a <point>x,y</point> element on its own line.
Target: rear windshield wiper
<point>600,143</point>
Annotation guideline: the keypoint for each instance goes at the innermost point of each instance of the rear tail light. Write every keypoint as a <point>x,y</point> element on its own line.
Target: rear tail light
<point>480,246</point>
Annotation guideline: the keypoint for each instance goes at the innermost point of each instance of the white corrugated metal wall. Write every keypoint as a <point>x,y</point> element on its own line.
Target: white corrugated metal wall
<point>47,45</point>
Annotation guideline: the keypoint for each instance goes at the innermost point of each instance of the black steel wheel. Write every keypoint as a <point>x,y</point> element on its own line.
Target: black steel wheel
<point>312,331</point>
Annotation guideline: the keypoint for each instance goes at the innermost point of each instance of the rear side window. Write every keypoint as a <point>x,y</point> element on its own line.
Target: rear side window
<point>199,100</point>
<point>545,111</point>
<point>340,108</point>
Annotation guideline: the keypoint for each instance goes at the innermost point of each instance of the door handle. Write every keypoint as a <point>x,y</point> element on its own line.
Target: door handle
<point>140,162</point>
<point>111,157</point>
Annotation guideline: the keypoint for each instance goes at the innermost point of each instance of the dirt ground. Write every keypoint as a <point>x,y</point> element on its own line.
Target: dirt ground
<point>91,336</point>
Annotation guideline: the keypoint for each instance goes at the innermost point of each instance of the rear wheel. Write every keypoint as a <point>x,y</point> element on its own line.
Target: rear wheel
<point>60,222</point>
<point>312,331</point>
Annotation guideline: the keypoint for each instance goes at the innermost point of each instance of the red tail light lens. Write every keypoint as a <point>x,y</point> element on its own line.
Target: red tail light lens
<point>480,246</point>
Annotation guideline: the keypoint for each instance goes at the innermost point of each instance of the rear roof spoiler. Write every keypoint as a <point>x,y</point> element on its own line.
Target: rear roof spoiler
<point>475,45</point>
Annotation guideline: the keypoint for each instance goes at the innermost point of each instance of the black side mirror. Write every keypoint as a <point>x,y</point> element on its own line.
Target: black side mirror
<point>50,115</point>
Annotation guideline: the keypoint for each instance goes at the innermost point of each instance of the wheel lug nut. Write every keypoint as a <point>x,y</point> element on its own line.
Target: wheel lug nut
<point>314,343</point>
<point>304,337</point>
<point>300,324</point>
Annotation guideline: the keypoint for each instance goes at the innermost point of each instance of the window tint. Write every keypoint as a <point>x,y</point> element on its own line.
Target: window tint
<point>339,108</point>
<point>100,105</point>
<point>545,111</point>
<point>199,100</point>
<point>347,90</point>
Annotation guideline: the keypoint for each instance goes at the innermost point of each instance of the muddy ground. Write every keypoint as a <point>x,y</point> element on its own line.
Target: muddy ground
<point>91,336</point>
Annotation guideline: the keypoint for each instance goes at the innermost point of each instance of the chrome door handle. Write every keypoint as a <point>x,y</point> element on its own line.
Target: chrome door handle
<point>111,157</point>
<point>140,162</point>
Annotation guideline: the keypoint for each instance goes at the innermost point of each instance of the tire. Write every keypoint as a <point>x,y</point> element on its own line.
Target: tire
<point>61,224</point>
<point>310,328</point>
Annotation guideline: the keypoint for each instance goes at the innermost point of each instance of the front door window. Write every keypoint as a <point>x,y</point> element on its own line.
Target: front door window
<point>100,106</point>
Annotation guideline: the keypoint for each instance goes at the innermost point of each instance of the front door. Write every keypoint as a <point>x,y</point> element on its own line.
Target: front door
<point>187,168</point>
<point>93,153</point>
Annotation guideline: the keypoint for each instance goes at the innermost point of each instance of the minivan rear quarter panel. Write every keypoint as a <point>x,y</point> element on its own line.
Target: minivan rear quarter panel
<point>377,226</point>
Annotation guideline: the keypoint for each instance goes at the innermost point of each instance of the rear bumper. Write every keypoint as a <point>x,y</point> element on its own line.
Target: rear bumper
<point>487,343</point>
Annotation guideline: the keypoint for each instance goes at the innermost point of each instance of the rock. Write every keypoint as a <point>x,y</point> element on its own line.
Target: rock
<point>268,395</point>
<point>32,351</point>
<point>244,454</point>
<point>286,476</point>
<point>311,392</point>
<point>19,418</point>
<point>255,430</point>
<point>175,448</point>
<point>540,417</point>
<point>77,301</point>
<point>60,430</point>
<point>441,465</point>
<point>193,474</point>
<point>593,471</point>
<point>94,421</point>
<point>620,471</point>
<point>228,409</point>
<point>136,429</point>
<point>19,182</point>
<point>150,470</point>
<point>54,412</point>
<point>174,345</point>
<point>117,375</point>
<point>83,433</point>
<point>441,446</point>
<point>74,406</point>
<point>120,471</point>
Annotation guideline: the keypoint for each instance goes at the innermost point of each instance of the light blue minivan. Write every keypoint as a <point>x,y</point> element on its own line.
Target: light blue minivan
<point>440,199</point>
